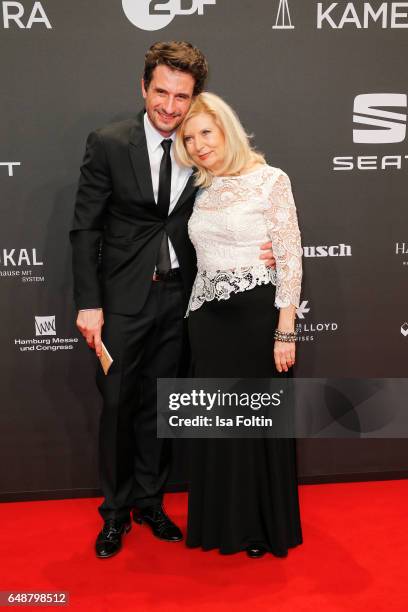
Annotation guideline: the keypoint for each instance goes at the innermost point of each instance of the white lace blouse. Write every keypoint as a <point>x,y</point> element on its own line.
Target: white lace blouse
<point>231,220</point>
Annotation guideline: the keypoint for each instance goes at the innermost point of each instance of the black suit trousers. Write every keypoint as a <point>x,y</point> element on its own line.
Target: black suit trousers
<point>134,463</point>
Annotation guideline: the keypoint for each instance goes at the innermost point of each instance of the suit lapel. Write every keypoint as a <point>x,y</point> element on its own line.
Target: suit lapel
<point>187,192</point>
<point>139,156</point>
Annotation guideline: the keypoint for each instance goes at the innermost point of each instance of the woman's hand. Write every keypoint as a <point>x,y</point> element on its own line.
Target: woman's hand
<point>284,355</point>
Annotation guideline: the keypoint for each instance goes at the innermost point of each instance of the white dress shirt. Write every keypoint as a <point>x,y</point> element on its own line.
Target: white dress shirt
<point>179,174</point>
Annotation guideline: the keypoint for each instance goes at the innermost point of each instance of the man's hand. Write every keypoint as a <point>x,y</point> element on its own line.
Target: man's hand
<point>89,323</point>
<point>268,255</point>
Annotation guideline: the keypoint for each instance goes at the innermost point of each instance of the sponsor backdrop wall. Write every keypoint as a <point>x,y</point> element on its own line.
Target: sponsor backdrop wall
<point>323,88</point>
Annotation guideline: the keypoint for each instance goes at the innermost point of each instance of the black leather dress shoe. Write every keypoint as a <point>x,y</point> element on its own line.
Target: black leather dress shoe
<point>109,540</point>
<point>256,551</point>
<point>160,524</point>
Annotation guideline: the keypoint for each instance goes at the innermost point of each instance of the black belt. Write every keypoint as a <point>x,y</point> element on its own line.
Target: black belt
<point>173,274</point>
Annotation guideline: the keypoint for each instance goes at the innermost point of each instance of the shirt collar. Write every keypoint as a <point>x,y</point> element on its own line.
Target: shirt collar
<point>153,137</point>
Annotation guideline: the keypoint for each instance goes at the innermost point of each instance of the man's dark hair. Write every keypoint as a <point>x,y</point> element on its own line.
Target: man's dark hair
<point>178,55</point>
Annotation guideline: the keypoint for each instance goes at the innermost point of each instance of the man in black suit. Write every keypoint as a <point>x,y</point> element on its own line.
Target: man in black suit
<point>134,266</point>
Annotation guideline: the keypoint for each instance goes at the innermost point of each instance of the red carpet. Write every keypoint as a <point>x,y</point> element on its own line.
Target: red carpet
<point>354,557</point>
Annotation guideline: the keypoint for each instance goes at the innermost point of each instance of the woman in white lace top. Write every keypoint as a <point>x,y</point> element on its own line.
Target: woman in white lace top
<point>230,219</point>
<point>241,324</point>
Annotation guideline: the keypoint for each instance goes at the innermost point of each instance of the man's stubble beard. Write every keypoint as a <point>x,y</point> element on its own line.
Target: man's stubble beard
<point>165,127</point>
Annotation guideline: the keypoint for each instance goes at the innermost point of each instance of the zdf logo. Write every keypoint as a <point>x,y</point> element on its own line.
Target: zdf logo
<point>388,126</point>
<point>155,14</point>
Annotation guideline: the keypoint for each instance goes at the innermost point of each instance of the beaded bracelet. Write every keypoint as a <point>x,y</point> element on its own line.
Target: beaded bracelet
<point>285,336</point>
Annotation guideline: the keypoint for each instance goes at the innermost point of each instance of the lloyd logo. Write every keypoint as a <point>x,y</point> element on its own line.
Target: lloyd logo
<point>306,331</point>
<point>45,326</point>
<point>389,126</point>
<point>16,15</point>
<point>155,14</point>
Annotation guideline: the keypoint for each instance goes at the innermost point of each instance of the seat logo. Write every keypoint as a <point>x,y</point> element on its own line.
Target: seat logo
<point>387,126</point>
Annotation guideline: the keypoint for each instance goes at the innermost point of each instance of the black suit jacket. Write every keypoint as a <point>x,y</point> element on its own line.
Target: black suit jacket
<point>116,231</point>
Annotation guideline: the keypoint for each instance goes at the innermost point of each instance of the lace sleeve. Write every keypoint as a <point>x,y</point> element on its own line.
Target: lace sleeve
<point>283,229</point>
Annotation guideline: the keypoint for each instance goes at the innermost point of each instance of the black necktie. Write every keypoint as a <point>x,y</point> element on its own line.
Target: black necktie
<point>163,203</point>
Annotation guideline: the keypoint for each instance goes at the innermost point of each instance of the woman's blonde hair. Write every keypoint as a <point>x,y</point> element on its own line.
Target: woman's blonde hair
<point>238,151</point>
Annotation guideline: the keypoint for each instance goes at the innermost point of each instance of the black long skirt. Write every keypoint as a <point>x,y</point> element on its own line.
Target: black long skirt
<point>242,491</point>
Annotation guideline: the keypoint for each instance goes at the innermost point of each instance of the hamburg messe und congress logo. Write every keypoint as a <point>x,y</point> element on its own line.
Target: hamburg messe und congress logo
<point>45,338</point>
